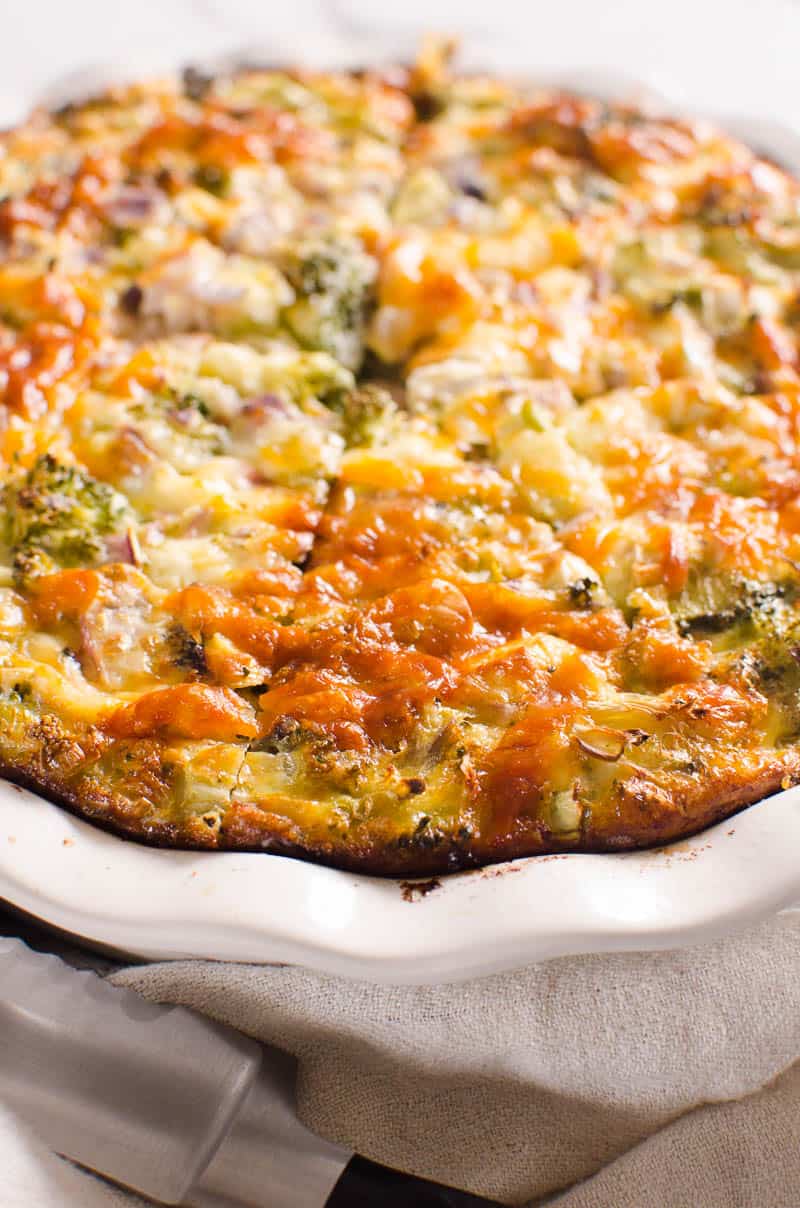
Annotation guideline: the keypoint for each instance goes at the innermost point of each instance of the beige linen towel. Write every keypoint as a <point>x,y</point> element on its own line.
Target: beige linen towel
<point>664,1079</point>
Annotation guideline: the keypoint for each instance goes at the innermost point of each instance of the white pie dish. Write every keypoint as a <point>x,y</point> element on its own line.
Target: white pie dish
<point>260,908</point>
<point>161,904</point>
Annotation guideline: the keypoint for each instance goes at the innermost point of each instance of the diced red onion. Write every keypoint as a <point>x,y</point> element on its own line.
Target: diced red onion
<point>256,409</point>
<point>133,206</point>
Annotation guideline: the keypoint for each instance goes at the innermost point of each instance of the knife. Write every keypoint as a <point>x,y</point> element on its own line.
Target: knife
<point>170,1104</point>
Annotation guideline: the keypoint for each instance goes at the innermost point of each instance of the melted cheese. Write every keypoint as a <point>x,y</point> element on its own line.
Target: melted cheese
<point>405,468</point>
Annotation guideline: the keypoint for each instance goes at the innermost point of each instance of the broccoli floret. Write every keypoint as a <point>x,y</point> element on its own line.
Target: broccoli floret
<point>187,651</point>
<point>581,593</point>
<point>286,735</point>
<point>722,603</point>
<point>366,413</point>
<point>771,665</point>
<point>196,84</point>
<point>56,516</point>
<point>332,281</point>
<point>213,179</point>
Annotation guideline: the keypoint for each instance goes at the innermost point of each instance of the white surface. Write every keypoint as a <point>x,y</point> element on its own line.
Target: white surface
<point>713,55</point>
<point>261,908</point>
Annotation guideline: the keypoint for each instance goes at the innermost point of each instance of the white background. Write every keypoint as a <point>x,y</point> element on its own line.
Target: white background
<point>709,55</point>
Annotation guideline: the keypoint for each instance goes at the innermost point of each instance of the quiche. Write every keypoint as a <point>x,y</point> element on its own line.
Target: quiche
<point>400,469</point>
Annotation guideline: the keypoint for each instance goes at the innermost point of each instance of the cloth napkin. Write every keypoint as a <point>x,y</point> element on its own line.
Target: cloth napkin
<point>612,1081</point>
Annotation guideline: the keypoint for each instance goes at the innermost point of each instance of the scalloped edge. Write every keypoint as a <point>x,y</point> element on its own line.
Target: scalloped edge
<point>167,905</point>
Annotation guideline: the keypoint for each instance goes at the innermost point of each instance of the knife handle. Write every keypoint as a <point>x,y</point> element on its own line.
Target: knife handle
<point>139,1092</point>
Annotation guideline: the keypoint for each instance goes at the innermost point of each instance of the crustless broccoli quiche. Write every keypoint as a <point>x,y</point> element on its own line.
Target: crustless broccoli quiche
<point>399,469</point>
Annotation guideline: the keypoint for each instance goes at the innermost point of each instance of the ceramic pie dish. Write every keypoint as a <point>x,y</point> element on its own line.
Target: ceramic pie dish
<point>165,905</point>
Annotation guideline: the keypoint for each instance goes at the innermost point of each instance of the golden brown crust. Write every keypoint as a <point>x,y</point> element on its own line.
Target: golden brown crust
<point>400,470</point>
<point>246,831</point>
